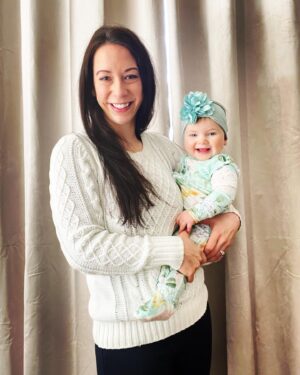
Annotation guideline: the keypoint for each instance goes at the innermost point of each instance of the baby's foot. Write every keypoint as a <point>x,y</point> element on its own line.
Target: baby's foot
<point>163,303</point>
<point>157,308</point>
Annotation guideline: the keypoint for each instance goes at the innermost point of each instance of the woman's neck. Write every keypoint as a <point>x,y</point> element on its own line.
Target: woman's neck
<point>132,144</point>
<point>129,139</point>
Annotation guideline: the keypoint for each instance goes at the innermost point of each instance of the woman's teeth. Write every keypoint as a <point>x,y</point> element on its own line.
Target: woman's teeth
<point>121,106</point>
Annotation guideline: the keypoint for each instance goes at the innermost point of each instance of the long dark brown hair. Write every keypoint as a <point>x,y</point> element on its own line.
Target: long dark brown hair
<point>132,189</point>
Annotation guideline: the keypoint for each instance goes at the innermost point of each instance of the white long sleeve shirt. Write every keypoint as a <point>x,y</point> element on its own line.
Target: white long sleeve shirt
<point>121,262</point>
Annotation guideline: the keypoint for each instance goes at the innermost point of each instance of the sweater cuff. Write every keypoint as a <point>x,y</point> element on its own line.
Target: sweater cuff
<point>167,250</point>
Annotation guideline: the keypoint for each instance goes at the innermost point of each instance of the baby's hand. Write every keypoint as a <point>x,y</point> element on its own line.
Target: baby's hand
<point>185,221</point>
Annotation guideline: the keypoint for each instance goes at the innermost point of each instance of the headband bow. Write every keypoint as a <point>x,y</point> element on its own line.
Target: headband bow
<point>197,105</point>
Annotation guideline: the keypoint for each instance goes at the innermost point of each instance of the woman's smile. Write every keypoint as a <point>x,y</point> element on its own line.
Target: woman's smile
<point>121,107</point>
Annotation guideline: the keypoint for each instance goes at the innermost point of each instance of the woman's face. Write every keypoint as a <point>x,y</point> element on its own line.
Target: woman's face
<point>118,86</point>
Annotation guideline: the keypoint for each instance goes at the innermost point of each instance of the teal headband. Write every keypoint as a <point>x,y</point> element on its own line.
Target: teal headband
<point>197,105</point>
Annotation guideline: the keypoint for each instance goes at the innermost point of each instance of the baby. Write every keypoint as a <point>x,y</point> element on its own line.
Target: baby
<point>207,178</point>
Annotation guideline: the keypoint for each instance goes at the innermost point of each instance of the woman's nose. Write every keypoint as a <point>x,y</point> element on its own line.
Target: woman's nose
<point>119,87</point>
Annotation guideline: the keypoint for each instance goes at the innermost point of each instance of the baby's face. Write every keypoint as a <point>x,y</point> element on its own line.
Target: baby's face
<point>204,139</point>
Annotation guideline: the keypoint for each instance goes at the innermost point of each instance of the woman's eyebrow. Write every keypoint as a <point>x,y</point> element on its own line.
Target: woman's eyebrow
<point>102,71</point>
<point>108,71</point>
<point>131,68</point>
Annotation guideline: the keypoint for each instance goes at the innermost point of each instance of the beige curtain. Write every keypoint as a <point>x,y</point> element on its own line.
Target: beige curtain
<point>246,55</point>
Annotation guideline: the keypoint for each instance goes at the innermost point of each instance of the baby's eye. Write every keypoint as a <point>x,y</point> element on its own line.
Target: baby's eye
<point>212,133</point>
<point>193,134</point>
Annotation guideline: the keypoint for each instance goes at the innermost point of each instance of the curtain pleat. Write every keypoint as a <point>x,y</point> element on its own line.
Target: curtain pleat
<point>11,192</point>
<point>245,54</point>
<point>270,95</point>
<point>48,305</point>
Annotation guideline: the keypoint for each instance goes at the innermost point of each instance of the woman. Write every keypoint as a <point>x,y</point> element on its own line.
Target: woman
<point>115,204</point>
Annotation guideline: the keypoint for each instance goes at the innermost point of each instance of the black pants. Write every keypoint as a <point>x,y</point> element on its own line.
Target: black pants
<point>186,353</point>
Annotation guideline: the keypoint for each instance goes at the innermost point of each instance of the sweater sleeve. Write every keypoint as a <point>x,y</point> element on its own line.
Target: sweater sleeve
<point>224,187</point>
<point>75,188</point>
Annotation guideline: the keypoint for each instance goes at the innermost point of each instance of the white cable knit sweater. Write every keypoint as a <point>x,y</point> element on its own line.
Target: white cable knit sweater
<point>121,263</point>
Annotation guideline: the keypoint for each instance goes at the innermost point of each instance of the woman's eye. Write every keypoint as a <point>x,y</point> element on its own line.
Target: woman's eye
<point>104,78</point>
<point>131,77</point>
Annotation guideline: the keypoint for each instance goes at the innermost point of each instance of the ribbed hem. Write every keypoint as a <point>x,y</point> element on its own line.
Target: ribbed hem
<point>166,250</point>
<point>121,335</point>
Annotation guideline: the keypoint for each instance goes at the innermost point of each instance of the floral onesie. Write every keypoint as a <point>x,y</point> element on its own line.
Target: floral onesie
<point>208,188</point>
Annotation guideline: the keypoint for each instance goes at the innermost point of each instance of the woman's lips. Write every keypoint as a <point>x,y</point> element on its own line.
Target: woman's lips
<point>121,107</point>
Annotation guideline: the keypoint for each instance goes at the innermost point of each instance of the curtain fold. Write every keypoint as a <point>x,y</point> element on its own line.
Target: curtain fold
<point>270,90</point>
<point>44,320</point>
<point>11,193</point>
<point>245,54</point>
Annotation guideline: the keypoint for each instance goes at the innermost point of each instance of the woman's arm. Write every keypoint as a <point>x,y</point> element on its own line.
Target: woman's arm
<point>75,184</point>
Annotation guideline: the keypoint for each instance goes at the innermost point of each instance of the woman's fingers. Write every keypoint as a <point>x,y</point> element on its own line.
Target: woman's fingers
<point>192,257</point>
<point>223,230</point>
<point>213,248</point>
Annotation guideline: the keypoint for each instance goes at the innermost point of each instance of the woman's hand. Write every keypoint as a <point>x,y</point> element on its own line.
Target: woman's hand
<point>223,229</point>
<point>194,257</point>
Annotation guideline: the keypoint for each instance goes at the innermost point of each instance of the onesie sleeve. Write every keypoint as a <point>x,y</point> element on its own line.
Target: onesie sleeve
<point>75,191</point>
<point>224,186</point>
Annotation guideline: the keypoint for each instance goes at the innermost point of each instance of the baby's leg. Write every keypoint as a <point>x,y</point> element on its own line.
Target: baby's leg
<point>200,233</point>
<point>169,287</point>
